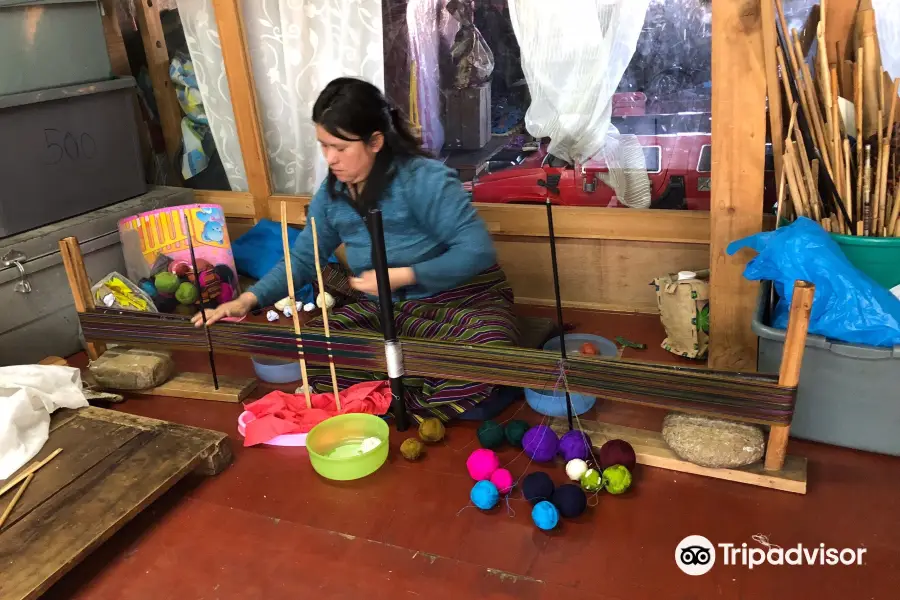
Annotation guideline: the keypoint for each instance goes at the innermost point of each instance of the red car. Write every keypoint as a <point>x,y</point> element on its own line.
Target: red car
<point>677,152</point>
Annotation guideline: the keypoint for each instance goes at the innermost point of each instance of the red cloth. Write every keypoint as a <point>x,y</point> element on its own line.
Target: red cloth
<point>278,413</point>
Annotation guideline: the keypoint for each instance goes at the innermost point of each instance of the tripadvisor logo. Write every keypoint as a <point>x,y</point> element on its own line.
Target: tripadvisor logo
<point>696,555</point>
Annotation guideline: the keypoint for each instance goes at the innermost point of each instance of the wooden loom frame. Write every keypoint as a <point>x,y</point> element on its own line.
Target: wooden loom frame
<point>778,471</point>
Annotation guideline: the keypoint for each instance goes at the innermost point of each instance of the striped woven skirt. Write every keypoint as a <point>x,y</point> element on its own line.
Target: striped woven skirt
<point>479,312</point>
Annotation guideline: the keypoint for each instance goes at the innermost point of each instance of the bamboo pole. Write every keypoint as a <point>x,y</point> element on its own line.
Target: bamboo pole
<point>334,385</point>
<point>286,246</point>
<point>791,364</point>
<point>33,468</point>
<point>80,285</point>
<point>15,500</point>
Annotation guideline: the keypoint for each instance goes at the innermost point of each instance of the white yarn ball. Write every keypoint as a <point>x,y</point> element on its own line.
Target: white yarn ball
<point>272,315</point>
<point>329,300</point>
<point>575,468</point>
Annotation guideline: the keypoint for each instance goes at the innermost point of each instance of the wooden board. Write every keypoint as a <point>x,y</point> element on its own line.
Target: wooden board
<point>738,162</point>
<point>112,466</point>
<point>199,386</point>
<point>652,450</point>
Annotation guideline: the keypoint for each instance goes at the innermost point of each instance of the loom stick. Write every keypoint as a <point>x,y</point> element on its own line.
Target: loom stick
<point>392,349</point>
<point>15,499</point>
<point>190,237</point>
<point>791,363</point>
<point>80,285</point>
<point>559,320</point>
<point>334,385</point>
<point>33,468</point>
<point>286,248</point>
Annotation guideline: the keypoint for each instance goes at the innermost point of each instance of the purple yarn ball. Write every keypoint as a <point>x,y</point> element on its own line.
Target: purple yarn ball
<point>540,443</point>
<point>575,444</point>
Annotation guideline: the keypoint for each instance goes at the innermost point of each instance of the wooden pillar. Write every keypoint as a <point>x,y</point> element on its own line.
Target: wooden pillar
<point>236,57</point>
<point>80,284</point>
<point>791,362</point>
<point>738,161</point>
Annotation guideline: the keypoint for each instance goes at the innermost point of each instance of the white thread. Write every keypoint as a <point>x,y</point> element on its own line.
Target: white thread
<point>393,354</point>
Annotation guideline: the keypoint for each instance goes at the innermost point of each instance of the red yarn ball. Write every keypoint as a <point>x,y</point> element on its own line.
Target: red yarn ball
<point>617,452</point>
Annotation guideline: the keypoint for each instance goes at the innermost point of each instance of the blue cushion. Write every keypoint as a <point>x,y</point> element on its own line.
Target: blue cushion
<point>260,249</point>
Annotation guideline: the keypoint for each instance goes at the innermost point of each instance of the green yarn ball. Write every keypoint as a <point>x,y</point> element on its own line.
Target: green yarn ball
<point>412,449</point>
<point>515,431</point>
<point>591,481</point>
<point>490,434</point>
<point>166,282</point>
<point>617,478</point>
<point>431,430</point>
<point>187,293</point>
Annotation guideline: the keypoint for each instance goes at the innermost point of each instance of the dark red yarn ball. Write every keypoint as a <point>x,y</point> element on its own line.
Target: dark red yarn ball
<point>617,452</point>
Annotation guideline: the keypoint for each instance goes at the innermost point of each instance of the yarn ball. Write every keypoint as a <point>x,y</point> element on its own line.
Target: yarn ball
<point>569,500</point>
<point>225,274</point>
<point>617,478</point>
<point>617,452</point>
<point>148,287</point>
<point>540,443</point>
<point>591,481</point>
<point>484,495</point>
<point>515,431</point>
<point>545,515</point>
<point>537,486</point>
<point>412,449</point>
<point>575,444</point>
<point>490,434</point>
<point>482,463</point>
<point>575,468</point>
<point>503,479</point>
<point>166,282</point>
<point>431,430</point>
<point>185,309</point>
<point>180,268</point>
<point>186,293</point>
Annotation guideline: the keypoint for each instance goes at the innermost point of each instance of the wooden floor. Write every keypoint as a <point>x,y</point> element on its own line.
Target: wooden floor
<point>269,528</point>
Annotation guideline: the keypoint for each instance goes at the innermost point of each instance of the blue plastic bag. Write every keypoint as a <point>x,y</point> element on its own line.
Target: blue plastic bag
<point>848,305</point>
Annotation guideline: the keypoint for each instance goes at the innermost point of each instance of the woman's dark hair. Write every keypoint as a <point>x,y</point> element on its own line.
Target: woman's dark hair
<point>354,110</point>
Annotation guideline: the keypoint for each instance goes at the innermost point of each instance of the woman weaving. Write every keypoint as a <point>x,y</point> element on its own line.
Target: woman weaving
<point>443,273</point>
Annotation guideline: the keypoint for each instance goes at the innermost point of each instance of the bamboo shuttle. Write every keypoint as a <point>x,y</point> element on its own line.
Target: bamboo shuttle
<point>334,384</point>
<point>290,282</point>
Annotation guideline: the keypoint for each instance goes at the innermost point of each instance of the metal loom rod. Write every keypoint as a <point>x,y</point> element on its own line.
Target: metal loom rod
<point>392,350</point>
<point>197,284</point>
<point>559,319</point>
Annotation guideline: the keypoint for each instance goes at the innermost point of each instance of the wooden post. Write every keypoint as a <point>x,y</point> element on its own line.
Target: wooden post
<point>738,163</point>
<point>80,284</point>
<point>791,362</point>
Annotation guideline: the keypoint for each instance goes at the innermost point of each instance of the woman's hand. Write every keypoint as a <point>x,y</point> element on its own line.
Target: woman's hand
<point>368,284</point>
<point>237,308</point>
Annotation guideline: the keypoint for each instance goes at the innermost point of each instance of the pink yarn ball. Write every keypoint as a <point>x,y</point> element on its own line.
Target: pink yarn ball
<point>503,479</point>
<point>227,293</point>
<point>482,463</point>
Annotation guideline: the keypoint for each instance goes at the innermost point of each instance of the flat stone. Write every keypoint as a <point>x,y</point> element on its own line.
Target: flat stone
<point>124,368</point>
<point>714,443</point>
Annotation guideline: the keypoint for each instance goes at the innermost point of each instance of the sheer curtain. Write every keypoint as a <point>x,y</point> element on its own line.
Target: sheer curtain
<point>574,57</point>
<point>296,47</point>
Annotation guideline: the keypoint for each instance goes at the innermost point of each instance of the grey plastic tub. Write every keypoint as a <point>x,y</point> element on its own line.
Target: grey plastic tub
<point>51,43</point>
<point>849,394</point>
<point>67,151</point>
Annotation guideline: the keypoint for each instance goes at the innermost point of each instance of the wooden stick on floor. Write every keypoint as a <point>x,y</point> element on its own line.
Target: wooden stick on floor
<point>334,385</point>
<point>791,363</point>
<point>80,285</point>
<point>15,499</point>
<point>293,305</point>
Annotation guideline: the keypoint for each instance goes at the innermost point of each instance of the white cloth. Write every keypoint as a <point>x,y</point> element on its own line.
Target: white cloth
<point>28,395</point>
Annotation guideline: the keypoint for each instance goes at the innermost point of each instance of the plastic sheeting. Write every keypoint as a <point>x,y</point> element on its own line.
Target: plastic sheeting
<point>574,57</point>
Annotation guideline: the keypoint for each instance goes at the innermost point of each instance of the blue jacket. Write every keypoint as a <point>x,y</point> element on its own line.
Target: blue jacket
<point>429,225</point>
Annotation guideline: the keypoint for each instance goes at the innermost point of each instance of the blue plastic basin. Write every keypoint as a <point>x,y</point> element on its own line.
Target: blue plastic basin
<point>553,403</point>
<point>274,370</point>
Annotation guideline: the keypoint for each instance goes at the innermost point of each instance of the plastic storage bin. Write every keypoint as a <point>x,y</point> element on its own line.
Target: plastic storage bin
<point>51,43</point>
<point>67,151</point>
<point>849,394</point>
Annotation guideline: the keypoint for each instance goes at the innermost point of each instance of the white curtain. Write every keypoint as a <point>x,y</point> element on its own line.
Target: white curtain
<point>296,47</point>
<point>887,25</point>
<point>573,57</point>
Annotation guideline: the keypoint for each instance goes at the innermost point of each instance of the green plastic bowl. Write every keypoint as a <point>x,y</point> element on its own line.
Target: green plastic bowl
<point>879,258</point>
<point>334,446</point>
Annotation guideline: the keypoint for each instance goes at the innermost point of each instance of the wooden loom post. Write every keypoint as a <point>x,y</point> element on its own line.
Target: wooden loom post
<point>334,385</point>
<point>80,284</point>
<point>293,306</point>
<point>791,362</point>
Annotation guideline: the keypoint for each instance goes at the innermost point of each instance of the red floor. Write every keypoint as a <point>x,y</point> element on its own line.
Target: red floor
<point>270,528</point>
